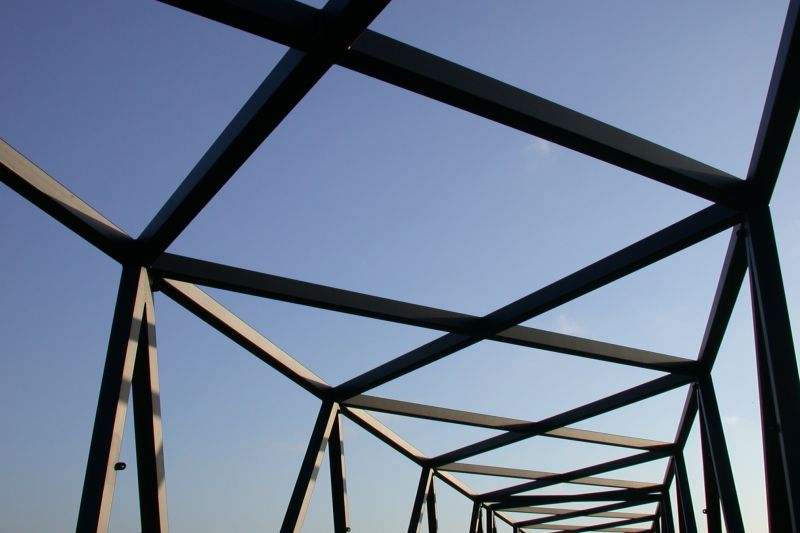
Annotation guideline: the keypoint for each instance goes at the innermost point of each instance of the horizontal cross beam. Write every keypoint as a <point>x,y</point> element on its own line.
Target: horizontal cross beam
<point>333,299</point>
<point>294,24</point>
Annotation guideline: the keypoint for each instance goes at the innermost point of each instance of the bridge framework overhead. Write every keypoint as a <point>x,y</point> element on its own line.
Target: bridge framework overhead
<point>338,34</point>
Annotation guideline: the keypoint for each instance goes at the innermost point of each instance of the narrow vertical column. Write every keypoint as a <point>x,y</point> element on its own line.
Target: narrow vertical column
<point>491,526</point>
<point>709,411</point>
<point>307,477</point>
<point>779,386</point>
<point>419,500</point>
<point>475,518</point>
<point>685,506</point>
<point>713,515</point>
<point>341,518</point>
<point>666,513</point>
<point>433,524</point>
<point>112,403</point>
<point>147,427</point>
<point>777,494</point>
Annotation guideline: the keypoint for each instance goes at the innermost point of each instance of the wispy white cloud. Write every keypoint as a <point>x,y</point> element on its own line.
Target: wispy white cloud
<point>731,420</point>
<point>567,325</point>
<point>537,145</point>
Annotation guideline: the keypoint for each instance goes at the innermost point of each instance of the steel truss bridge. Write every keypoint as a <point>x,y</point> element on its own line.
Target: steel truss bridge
<point>337,35</point>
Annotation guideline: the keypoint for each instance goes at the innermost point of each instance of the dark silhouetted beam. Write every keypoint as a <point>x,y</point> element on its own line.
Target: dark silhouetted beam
<point>685,505</point>
<point>320,296</point>
<point>672,239</point>
<point>418,510</point>
<point>776,360</point>
<point>290,80</point>
<point>430,507</point>
<point>146,394</point>
<point>629,495</point>
<point>392,61</point>
<point>466,468</point>
<point>341,516</point>
<point>309,468</point>
<point>583,474</point>
<point>112,404</point>
<point>730,282</point>
<point>603,511</point>
<point>609,526</point>
<point>615,401</point>
<point>50,196</point>
<point>215,314</point>
<point>429,412</point>
<point>712,424</point>
<point>562,510</point>
<point>780,111</point>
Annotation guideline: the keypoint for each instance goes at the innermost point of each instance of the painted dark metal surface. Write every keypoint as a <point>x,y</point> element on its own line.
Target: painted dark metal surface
<point>112,404</point>
<point>715,437</point>
<point>686,517</point>
<point>338,34</point>
<point>341,514</point>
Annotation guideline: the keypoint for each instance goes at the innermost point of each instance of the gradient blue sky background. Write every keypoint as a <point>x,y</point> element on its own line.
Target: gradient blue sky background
<point>371,188</point>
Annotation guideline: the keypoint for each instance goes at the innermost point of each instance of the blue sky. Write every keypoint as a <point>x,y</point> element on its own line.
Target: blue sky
<point>370,188</point>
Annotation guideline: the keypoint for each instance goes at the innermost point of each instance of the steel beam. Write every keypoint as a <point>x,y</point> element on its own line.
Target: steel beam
<point>323,297</point>
<point>674,238</point>
<point>475,518</point>
<point>579,474</point>
<point>562,510</point>
<point>779,385</point>
<point>778,509</point>
<point>112,404</point>
<point>780,112</point>
<point>686,518</point>
<point>609,526</point>
<point>466,468</point>
<point>399,64</point>
<point>290,80</point>
<point>50,196</point>
<point>604,405</point>
<point>341,517</point>
<point>573,527</point>
<point>603,511</point>
<point>668,520</point>
<point>430,505</point>
<point>715,436</point>
<point>630,495</point>
<point>712,509</point>
<point>307,477</point>
<point>730,282</point>
<point>429,412</point>
<point>146,393</point>
<point>215,314</point>
<point>418,509</point>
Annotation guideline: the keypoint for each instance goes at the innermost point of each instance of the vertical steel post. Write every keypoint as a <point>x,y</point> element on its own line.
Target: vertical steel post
<point>709,411</point>
<point>779,386</point>
<point>776,491</point>
<point>112,403</point>
<point>713,514</point>
<point>685,506</point>
<point>341,518</point>
<point>147,427</point>
<point>419,500</point>
<point>491,526</point>
<point>433,523</point>
<point>667,518</point>
<point>307,477</point>
<point>475,518</point>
